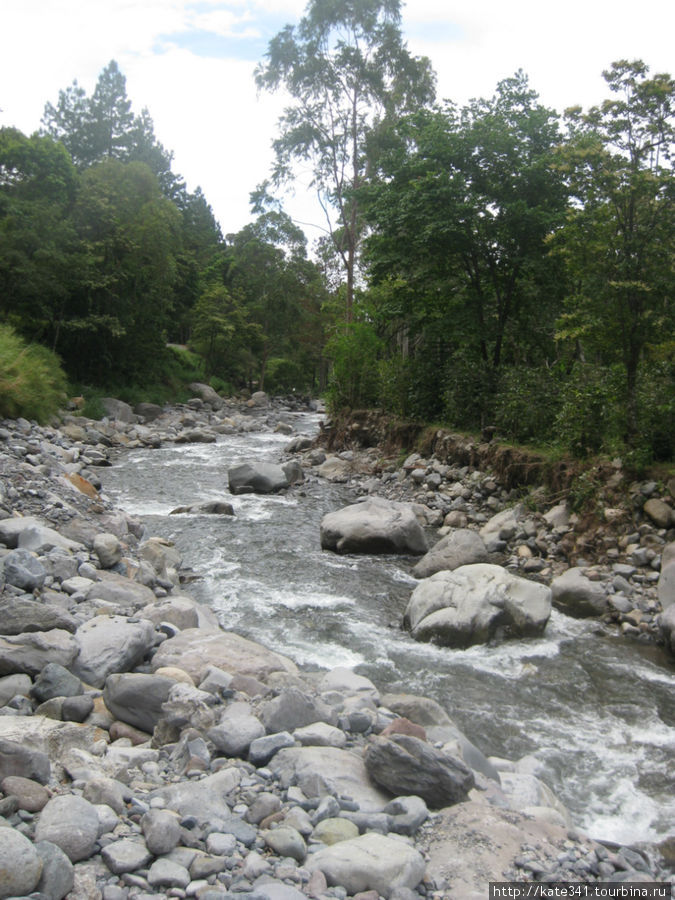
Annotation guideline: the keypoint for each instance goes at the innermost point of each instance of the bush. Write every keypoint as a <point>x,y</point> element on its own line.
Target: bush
<point>591,416</point>
<point>32,382</point>
<point>284,375</point>
<point>354,382</point>
<point>527,403</point>
<point>470,384</point>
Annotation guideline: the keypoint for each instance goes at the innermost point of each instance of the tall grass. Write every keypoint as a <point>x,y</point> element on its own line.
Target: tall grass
<point>32,382</point>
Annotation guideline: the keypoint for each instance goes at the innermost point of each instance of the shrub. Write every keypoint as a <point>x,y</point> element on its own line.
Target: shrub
<point>527,403</point>
<point>32,382</point>
<point>469,392</point>
<point>591,416</point>
<point>354,380</point>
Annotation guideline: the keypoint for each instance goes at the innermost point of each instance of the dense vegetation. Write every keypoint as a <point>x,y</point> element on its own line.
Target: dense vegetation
<point>497,264</point>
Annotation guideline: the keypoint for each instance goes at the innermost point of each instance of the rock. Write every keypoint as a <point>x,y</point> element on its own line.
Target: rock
<point>194,650</point>
<point>109,550</point>
<point>58,873</point>
<point>257,478</point>
<point>503,523</point>
<point>373,526</point>
<point>346,681</point>
<point>666,585</point>
<point>47,738</point>
<point>21,569</point>
<point>334,469</point>
<point>136,698</point>
<point>101,790</point>
<point>55,681</point>
<point>422,710</point>
<point>576,595</point>
<point>125,856</point>
<point>122,592</point>
<point>118,409</point>
<point>169,874</point>
<point>162,832</point>
<point>182,611</point>
<point>407,814</point>
<point>406,765</point>
<point>319,771</point>
<point>205,799</point>
<point>263,749</point>
<point>320,734</point>
<point>405,726</point>
<point>525,791</point>
<point>259,398</point>
<point>332,831</point>
<point>207,394</point>
<point>31,651</point>
<point>286,842</point>
<point>236,730</point>
<point>13,685</point>
<point>109,644</point>
<point>32,796</point>
<point>20,864</point>
<point>666,624</point>
<point>148,411</point>
<point>20,614</point>
<point>292,709</point>
<point>210,508</point>
<point>195,436</point>
<point>371,862</point>
<point>459,548</point>
<point>475,603</point>
<point>660,512</point>
<point>71,823</point>
<point>30,533</point>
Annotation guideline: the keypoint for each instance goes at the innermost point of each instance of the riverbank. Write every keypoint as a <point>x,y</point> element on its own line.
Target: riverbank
<point>237,771</point>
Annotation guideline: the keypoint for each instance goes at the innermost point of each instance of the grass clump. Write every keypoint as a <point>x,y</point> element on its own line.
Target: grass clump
<point>32,382</point>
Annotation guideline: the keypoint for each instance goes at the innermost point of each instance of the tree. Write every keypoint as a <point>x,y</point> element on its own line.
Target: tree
<point>350,76</point>
<point>38,242</point>
<point>461,211</point>
<point>619,236</point>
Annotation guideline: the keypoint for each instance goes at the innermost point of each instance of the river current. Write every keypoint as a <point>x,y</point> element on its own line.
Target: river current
<point>596,714</point>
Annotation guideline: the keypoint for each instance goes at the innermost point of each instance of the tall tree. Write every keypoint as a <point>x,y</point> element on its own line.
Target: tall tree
<point>619,238</point>
<point>460,215</point>
<point>349,75</point>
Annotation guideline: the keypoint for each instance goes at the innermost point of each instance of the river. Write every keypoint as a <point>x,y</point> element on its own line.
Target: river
<point>596,713</point>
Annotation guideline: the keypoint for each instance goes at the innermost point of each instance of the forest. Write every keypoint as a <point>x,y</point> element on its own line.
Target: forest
<point>499,264</point>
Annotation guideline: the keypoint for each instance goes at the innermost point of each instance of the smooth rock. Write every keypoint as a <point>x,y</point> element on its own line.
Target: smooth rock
<point>71,823</point>
<point>58,874</point>
<point>194,650</point>
<point>20,864</point>
<point>137,699</point>
<point>332,831</point>
<point>108,548</point>
<point>55,681</point>
<point>161,829</point>
<point>666,584</point>
<point>578,596</point>
<point>31,651</point>
<point>32,796</point>
<point>109,644</point>
<point>293,709</point>
<point>459,548</point>
<point>122,592</point>
<point>206,799</point>
<point>286,841</point>
<point>22,570</point>
<point>236,730</point>
<point>370,862</point>
<point>126,855</point>
<point>20,760</point>
<point>475,603</point>
<point>373,526</point>
<point>257,478</point>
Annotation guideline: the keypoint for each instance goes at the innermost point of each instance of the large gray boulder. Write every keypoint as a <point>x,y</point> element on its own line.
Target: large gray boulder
<point>459,548</point>
<point>474,604</point>
<point>119,410</point>
<point>372,862</point>
<point>206,393</point>
<point>19,614</point>
<point>23,570</point>
<point>257,478</point>
<point>404,765</point>
<point>576,595</point>
<point>72,824</point>
<point>373,526</point>
<point>30,652</point>
<point>137,699</point>
<point>666,622</point>
<point>292,709</point>
<point>236,730</point>
<point>30,533</point>
<point>195,649</point>
<point>117,590</point>
<point>110,644</point>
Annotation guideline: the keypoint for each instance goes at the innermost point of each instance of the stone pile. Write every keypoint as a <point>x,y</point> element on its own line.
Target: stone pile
<point>620,569</point>
<point>146,752</point>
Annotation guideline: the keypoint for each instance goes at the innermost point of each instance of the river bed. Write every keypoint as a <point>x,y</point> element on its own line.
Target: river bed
<point>596,714</point>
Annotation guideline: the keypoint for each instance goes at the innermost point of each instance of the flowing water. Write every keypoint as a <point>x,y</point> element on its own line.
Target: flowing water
<point>596,713</point>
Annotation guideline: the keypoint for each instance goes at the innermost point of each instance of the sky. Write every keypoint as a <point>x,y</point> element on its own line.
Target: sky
<point>191,63</point>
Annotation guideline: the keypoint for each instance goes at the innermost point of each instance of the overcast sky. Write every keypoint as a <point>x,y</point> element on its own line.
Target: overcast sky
<point>191,62</point>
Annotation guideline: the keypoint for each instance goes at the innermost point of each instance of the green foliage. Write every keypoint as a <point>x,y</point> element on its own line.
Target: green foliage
<point>285,375</point>
<point>354,382</point>
<point>589,419</point>
<point>527,403</point>
<point>32,382</point>
<point>469,395</point>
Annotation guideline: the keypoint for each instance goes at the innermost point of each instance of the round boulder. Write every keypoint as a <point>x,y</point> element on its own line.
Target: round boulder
<point>20,864</point>
<point>373,526</point>
<point>459,548</point>
<point>474,604</point>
